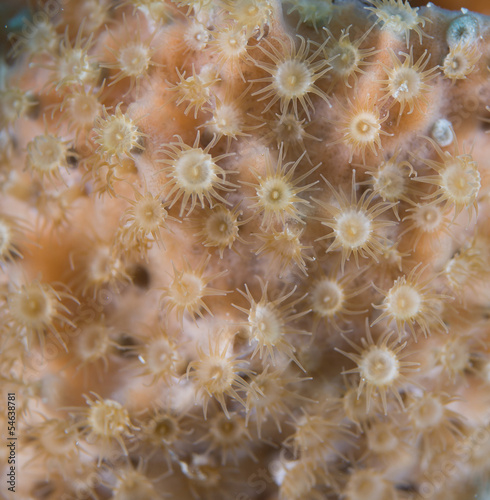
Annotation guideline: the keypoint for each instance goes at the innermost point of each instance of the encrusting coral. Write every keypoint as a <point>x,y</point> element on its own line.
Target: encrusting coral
<point>244,250</point>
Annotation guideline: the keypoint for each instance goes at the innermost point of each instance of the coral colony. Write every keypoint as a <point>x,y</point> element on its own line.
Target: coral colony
<point>245,251</point>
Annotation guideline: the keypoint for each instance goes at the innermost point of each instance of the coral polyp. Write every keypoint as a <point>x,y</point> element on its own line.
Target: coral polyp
<point>132,60</point>
<point>220,228</point>
<point>390,180</point>
<point>35,308</point>
<point>277,191</point>
<point>73,65</point>
<point>411,302</point>
<point>380,367</point>
<point>47,154</point>
<point>294,74</point>
<point>145,220</point>
<point>12,232</point>
<point>231,46</point>
<point>250,15</point>
<point>188,288</point>
<point>458,183</point>
<point>330,296</point>
<point>106,421</point>
<point>361,128</point>
<point>355,229</point>
<point>407,82</point>
<point>461,61</point>
<point>116,135</point>
<point>194,90</point>
<point>399,18</point>
<point>268,321</point>
<point>193,174</point>
<point>216,375</point>
<point>346,56</point>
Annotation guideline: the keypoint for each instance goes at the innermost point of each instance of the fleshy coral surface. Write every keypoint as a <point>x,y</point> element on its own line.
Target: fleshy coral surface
<point>244,251</point>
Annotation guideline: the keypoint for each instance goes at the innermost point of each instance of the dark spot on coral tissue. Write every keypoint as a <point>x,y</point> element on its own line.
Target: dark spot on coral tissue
<point>141,143</point>
<point>140,276</point>
<point>265,31</point>
<point>486,122</point>
<point>72,158</point>
<point>104,74</point>
<point>205,139</point>
<point>43,490</point>
<point>16,254</point>
<point>418,3</point>
<point>407,487</point>
<point>135,460</point>
<point>125,345</point>
<point>34,109</point>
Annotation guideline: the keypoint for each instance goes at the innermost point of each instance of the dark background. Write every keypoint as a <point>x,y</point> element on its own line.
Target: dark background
<point>12,12</point>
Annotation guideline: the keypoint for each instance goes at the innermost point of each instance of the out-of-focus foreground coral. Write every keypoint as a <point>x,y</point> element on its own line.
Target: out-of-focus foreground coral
<point>245,250</point>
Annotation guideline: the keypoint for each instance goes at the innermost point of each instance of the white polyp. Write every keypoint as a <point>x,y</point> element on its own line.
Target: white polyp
<point>442,132</point>
<point>463,29</point>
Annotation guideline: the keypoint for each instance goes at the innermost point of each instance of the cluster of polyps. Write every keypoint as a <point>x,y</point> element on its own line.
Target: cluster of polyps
<point>161,175</point>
